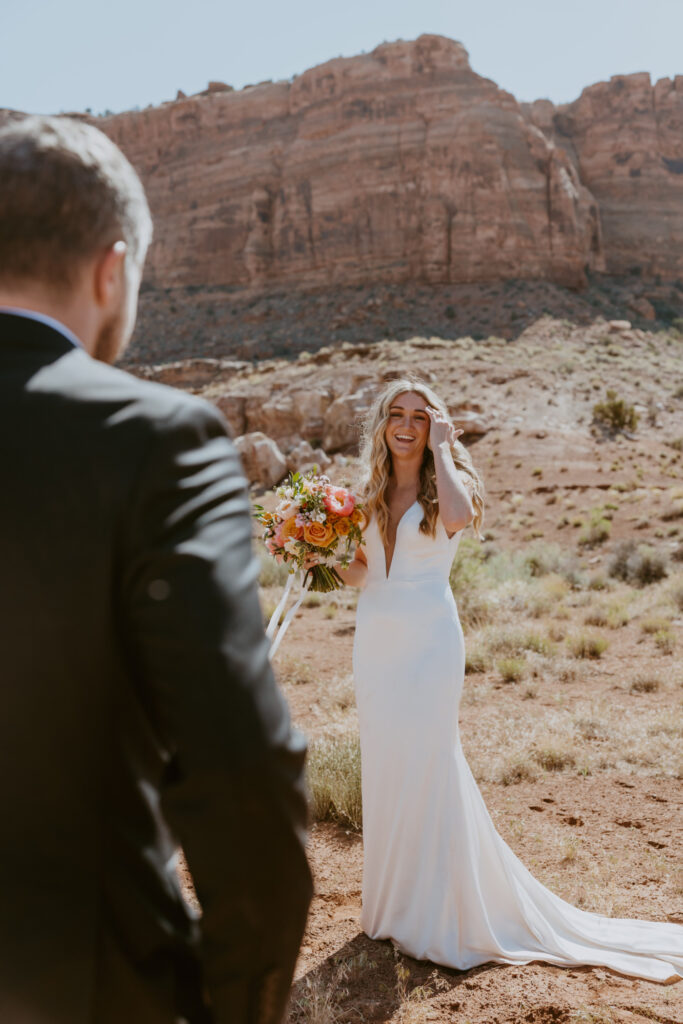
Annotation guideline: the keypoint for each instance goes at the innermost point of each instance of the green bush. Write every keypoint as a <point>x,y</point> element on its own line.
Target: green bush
<point>637,564</point>
<point>615,413</point>
<point>596,531</point>
<point>584,645</point>
<point>511,669</point>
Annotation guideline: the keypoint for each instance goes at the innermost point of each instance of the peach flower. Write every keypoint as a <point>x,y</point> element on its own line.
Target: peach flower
<point>290,531</point>
<point>320,534</point>
<point>342,527</point>
<point>359,518</point>
<point>338,501</point>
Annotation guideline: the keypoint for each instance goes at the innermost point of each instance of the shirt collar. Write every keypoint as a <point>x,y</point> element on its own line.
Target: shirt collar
<point>49,321</point>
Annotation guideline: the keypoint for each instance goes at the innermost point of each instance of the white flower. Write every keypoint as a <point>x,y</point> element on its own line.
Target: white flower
<point>292,546</point>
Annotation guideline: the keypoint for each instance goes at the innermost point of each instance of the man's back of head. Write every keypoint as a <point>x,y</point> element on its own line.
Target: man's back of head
<point>74,229</point>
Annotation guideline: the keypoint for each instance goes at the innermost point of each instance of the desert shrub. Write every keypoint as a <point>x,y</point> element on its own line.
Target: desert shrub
<point>292,671</point>
<point>615,413</point>
<point>592,728</point>
<point>597,617</point>
<point>637,564</point>
<point>334,780</point>
<point>644,683</point>
<point>513,643</point>
<point>476,660</point>
<point>677,597</point>
<point>584,645</point>
<point>554,759</point>
<point>596,530</point>
<point>518,769</point>
<point>617,615</point>
<point>511,669</point>
<point>468,569</point>
<point>665,641</point>
<point>272,574</point>
<point>672,513</point>
<point>654,624</point>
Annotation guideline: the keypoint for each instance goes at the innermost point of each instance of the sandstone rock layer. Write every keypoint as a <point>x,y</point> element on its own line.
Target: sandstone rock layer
<point>399,165</point>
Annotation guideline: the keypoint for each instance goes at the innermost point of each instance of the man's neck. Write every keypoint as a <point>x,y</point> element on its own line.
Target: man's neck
<point>37,301</point>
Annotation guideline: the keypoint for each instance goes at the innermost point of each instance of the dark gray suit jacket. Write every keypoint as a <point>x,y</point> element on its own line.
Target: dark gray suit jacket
<point>137,709</point>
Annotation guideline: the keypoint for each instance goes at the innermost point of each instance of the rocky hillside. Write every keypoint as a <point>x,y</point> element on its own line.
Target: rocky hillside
<point>398,165</point>
<point>399,193</point>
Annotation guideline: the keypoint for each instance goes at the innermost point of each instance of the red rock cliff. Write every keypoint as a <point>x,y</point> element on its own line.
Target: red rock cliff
<point>626,139</point>
<point>400,165</point>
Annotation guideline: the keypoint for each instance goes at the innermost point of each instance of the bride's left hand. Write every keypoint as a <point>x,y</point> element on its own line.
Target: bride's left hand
<point>440,429</point>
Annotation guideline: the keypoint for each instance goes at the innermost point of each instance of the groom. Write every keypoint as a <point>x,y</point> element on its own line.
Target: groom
<point>137,708</point>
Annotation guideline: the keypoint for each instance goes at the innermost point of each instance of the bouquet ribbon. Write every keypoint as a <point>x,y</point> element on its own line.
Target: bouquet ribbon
<point>275,635</point>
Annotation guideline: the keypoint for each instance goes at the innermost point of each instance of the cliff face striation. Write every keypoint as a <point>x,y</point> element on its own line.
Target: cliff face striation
<point>403,166</point>
<point>400,165</point>
<point>625,139</point>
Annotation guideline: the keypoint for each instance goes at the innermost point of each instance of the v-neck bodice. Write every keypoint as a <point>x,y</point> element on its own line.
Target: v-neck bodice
<point>416,556</point>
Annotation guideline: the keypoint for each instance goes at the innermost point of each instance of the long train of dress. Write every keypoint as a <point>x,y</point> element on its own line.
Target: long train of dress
<point>437,878</point>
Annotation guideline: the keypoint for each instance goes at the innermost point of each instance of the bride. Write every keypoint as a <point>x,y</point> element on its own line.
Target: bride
<point>438,880</point>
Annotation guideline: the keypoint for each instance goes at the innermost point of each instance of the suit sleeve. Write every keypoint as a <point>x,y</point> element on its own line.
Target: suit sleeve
<point>235,796</point>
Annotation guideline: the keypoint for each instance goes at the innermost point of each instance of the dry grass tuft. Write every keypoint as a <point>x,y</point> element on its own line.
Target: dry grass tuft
<point>583,645</point>
<point>334,780</point>
<point>644,683</point>
<point>654,624</point>
<point>665,641</point>
<point>320,1001</point>
<point>554,758</point>
<point>511,669</point>
<point>518,769</point>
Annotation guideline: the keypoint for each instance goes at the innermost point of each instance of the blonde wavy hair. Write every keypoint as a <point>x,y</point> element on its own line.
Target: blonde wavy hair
<point>376,458</point>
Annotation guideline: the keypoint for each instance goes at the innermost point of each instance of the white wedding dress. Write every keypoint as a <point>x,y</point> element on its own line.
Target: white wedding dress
<point>438,879</point>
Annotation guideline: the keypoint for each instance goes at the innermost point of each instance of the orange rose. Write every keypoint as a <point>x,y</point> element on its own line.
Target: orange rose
<point>320,534</point>
<point>358,518</point>
<point>290,531</point>
<point>342,527</point>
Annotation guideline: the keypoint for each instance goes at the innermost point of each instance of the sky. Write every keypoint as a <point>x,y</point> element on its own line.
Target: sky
<point>74,55</point>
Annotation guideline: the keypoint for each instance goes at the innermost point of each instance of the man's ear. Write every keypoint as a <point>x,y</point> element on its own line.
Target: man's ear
<point>109,278</point>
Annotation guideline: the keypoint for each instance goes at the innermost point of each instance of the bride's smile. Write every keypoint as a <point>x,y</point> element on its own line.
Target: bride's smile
<point>408,427</point>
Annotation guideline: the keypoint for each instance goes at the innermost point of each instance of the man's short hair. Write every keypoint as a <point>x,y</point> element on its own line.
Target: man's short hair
<point>66,192</point>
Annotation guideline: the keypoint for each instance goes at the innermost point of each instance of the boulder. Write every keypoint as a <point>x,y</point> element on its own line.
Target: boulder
<point>304,457</point>
<point>233,406</point>
<point>643,308</point>
<point>289,416</point>
<point>276,417</point>
<point>469,417</point>
<point>311,404</point>
<point>263,461</point>
<point>344,417</point>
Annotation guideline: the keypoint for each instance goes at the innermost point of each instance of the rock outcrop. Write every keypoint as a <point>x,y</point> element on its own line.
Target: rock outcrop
<point>262,459</point>
<point>403,166</point>
<point>398,165</point>
<point>625,138</point>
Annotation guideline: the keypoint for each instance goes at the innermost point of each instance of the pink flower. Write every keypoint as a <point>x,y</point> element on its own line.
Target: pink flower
<point>339,501</point>
<point>278,539</point>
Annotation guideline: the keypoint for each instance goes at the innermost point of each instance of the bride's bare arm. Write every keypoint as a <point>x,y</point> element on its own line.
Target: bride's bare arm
<point>455,502</point>
<point>357,571</point>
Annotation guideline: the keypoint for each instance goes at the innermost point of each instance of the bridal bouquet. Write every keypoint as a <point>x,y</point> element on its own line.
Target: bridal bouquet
<point>313,520</point>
